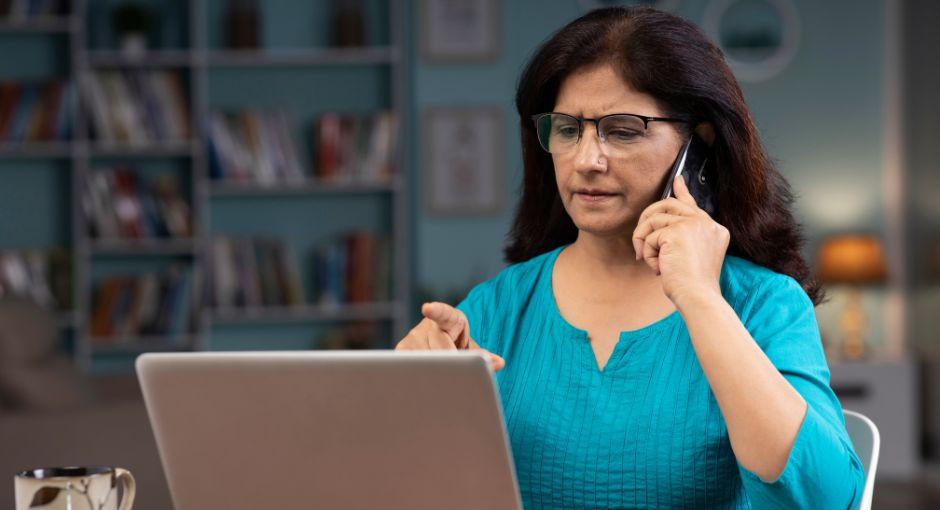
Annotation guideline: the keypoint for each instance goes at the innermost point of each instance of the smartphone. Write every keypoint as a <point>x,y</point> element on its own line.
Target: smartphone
<point>691,164</point>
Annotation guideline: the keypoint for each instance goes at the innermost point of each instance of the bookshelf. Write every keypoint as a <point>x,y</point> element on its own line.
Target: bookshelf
<point>208,70</point>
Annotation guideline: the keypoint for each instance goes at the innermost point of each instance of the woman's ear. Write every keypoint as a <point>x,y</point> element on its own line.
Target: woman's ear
<point>706,131</point>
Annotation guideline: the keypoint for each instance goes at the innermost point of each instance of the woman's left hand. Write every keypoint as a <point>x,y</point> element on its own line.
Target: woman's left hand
<point>682,243</point>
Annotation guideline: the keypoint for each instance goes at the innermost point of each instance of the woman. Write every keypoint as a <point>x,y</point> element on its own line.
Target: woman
<point>651,355</point>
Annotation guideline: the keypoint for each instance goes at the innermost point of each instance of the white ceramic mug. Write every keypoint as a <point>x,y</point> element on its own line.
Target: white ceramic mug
<point>74,488</point>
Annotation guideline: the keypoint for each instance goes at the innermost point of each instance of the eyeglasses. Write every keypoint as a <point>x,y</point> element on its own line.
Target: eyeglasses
<point>559,132</point>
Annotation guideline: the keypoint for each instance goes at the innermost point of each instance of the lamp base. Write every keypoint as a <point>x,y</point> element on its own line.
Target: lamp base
<point>854,324</point>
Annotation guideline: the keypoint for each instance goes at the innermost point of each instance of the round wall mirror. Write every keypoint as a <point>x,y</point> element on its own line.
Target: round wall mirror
<point>758,37</point>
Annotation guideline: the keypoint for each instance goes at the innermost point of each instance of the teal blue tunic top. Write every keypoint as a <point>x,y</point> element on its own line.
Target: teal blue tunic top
<point>646,431</point>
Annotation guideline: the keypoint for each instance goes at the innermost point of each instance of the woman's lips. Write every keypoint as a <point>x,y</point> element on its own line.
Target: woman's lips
<point>594,197</point>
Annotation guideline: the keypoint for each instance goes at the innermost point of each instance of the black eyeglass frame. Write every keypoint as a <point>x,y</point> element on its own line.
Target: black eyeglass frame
<point>645,118</point>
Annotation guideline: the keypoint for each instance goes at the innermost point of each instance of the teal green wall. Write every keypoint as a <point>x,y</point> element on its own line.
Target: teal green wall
<point>34,204</point>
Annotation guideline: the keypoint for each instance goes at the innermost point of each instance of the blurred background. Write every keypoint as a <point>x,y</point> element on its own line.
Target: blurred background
<point>297,174</point>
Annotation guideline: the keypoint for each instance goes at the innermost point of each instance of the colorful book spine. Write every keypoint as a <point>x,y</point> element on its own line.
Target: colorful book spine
<point>352,268</point>
<point>253,146</point>
<point>253,272</point>
<point>149,304</point>
<point>137,106</point>
<point>358,148</point>
<point>35,111</point>
<point>118,204</point>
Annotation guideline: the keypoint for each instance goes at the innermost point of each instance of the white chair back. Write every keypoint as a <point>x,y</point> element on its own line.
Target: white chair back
<point>867,442</point>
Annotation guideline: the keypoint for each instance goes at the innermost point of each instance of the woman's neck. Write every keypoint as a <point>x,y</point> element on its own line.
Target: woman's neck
<point>607,272</point>
<point>612,257</point>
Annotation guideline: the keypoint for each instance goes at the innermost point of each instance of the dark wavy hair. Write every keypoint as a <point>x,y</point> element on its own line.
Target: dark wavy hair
<point>669,58</point>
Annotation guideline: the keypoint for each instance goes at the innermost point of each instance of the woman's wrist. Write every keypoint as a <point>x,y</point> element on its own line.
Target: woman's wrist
<point>695,297</point>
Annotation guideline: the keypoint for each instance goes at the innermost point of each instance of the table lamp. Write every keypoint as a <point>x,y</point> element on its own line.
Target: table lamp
<point>855,260</point>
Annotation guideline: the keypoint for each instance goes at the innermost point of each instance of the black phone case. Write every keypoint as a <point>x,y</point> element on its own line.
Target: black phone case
<point>698,177</point>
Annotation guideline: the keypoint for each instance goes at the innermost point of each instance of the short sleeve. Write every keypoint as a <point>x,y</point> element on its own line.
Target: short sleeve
<point>822,470</point>
<point>478,309</point>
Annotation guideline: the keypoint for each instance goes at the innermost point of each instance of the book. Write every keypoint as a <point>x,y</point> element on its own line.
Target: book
<point>137,106</point>
<point>119,204</point>
<point>355,148</point>
<point>251,272</point>
<point>102,312</point>
<point>147,304</point>
<point>352,267</point>
<point>9,97</point>
<point>253,146</point>
<point>222,274</point>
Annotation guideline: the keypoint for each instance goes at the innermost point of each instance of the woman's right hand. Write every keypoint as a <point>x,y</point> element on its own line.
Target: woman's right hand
<point>443,327</point>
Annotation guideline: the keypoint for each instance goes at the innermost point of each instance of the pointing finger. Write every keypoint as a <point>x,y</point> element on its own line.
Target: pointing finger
<point>449,319</point>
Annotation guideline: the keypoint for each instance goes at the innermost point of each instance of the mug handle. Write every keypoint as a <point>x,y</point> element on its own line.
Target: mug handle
<point>129,486</point>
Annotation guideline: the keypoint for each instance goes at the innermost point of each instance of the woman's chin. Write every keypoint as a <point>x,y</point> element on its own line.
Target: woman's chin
<point>603,227</point>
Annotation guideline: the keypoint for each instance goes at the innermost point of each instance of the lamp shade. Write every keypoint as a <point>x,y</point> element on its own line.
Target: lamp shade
<point>852,258</point>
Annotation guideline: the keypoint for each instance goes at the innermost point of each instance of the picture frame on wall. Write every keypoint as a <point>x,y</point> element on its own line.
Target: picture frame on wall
<point>463,154</point>
<point>460,30</point>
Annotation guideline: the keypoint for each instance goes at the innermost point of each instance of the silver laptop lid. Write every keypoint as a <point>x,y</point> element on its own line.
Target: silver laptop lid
<point>330,429</point>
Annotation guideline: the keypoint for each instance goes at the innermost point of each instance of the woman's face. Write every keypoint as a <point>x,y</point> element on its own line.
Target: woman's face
<point>634,177</point>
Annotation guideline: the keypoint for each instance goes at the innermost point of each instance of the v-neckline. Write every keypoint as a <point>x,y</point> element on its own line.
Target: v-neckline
<point>624,338</point>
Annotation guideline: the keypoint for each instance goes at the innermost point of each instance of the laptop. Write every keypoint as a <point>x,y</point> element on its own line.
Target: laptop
<point>330,429</point>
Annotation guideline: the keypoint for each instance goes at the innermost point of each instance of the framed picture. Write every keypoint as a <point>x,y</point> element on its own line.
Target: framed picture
<point>463,160</point>
<point>460,30</point>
